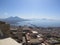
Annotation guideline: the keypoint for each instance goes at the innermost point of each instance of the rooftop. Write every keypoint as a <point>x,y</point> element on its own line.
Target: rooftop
<point>9,41</point>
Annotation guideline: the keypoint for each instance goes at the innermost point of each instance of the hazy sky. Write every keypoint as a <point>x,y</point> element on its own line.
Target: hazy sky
<point>30,9</point>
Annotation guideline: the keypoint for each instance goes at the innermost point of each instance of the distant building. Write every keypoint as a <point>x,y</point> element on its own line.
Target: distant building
<point>19,34</point>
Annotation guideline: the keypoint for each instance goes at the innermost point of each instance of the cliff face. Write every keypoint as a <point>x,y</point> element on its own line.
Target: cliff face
<point>4,29</point>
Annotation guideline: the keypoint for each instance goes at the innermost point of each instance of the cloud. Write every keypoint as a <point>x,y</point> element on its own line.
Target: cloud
<point>5,13</point>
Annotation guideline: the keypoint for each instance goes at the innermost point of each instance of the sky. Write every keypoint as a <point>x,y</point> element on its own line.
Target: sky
<point>30,9</point>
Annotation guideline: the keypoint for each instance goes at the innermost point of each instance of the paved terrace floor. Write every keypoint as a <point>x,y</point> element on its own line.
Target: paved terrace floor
<point>9,41</point>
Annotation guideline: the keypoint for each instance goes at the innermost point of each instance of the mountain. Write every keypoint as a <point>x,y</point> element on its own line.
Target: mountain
<point>13,19</point>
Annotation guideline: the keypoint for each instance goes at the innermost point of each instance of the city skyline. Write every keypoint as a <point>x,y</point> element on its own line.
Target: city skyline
<point>30,9</point>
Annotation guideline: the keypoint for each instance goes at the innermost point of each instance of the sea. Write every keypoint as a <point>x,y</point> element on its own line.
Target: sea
<point>40,23</point>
